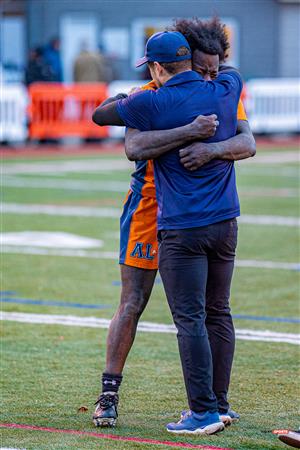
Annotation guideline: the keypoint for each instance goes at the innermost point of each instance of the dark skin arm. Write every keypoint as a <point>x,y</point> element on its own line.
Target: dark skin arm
<point>152,144</point>
<point>107,114</point>
<point>201,128</point>
<point>145,145</point>
<point>240,146</point>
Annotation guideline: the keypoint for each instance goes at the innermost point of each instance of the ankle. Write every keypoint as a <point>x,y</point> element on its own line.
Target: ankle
<point>111,382</point>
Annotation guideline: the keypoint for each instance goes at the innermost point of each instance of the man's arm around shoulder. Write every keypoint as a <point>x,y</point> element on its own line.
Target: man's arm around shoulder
<point>107,113</point>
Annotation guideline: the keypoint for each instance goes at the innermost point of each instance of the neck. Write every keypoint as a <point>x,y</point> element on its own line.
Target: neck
<point>168,76</point>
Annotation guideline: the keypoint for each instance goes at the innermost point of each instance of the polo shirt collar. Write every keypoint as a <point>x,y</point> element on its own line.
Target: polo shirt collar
<point>184,77</point>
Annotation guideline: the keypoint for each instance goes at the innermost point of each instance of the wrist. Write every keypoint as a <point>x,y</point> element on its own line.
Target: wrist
<point>192,131</point>
<point>216,150</point>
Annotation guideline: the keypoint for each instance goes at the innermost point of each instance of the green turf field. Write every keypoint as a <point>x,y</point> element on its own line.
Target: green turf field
<point>49,371</point>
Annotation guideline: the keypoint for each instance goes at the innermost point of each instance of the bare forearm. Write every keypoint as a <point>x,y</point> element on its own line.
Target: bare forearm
<point>239,147</point>
<point>152,144</point>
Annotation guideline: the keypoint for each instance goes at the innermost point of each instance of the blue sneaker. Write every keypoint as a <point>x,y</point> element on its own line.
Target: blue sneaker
<point>229,417</point>
<point>196,423</point>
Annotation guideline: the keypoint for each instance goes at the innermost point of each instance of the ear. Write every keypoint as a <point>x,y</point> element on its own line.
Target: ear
<point>157,66</point>
<point>159,69</point>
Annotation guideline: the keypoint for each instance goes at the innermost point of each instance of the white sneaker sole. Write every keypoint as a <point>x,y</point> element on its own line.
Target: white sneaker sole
<point>209,429</point>
<point>105,422</point>
<point>227,420</point>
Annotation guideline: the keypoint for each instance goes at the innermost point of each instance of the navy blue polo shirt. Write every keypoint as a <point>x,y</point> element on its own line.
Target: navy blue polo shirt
<point>208,195</point>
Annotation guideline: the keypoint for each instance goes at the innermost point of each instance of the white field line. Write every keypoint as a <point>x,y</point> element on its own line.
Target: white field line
<point>270,220</point>
<point>99,165</point>
<point>94,322</point>
<point>287,172</point>
<point>268,192</point>
<point>57,210</point>
<point>258,264</point>
<point>123,186</point>
<point>83,211</point>
<point>57,252</point>
<point>275,158</point>
<point>73,185</point>
<point>249,263</point>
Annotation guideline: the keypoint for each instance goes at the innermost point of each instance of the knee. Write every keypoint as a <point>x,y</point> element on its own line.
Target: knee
<point>191,326</point>
<point>218,315</point>
<point>132,306</point>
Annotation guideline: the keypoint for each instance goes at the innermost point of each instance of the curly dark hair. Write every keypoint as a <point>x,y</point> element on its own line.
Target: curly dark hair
<point>208,36</point>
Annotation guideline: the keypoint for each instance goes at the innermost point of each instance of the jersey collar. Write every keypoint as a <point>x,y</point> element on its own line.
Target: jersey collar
<point>184,77</point>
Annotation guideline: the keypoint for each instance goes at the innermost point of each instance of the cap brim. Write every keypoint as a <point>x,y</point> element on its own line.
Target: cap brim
<point>141,61</point>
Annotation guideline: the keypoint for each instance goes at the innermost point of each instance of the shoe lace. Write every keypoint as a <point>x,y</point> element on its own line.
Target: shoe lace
<point>186,415</point>
<point>105,401</point>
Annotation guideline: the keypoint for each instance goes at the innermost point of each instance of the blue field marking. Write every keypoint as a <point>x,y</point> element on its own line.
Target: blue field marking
<point>7,293</point>
<point>29,301</point>
<point>266,319</point>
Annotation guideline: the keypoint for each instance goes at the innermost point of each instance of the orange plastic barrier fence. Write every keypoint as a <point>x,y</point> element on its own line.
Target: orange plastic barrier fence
<point>57,110</point>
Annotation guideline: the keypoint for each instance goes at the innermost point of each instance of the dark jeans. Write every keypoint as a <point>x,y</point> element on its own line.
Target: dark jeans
<point>196,267</point>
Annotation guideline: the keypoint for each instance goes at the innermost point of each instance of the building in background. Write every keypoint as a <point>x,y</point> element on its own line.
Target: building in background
<point>264,34</point>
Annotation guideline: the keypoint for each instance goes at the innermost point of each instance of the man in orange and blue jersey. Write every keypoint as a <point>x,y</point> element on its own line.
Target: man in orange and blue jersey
<point>138,237</point>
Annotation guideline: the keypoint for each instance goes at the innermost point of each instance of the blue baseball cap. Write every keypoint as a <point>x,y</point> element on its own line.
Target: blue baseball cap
<point>163,47</point>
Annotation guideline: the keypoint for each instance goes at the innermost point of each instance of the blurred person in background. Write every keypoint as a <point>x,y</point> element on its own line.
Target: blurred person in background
<point>37,68</point>
<point>53,59</point>
<point>90,66</point>
<point>111,62</point>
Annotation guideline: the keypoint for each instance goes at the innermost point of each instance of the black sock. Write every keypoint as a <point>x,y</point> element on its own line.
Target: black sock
<point>111,382</point>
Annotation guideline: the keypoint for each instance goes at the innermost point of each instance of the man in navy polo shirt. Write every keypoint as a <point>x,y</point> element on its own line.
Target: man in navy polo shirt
<point>197,210</point>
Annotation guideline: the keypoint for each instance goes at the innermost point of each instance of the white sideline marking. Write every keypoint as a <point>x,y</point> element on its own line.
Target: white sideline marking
<point>51,239</point>
<point>57,210</point>
<point>94,322</point>
<point>268,192</point>
<point>123,186</point>
<point>93,165</point>
<point>287,172</point>
<point>270,220</point>
<point>258,264</point>
<point>73,185</point>
<point>84,211</point>
<point>115,255</point>
<point>275,158</point>
<point>58,252</point>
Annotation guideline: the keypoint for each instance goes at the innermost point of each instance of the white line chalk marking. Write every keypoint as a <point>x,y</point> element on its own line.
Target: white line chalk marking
<point>49,239</point>
<point>148,327</point>
<point>249,263</point>
<point>270,220</point>
<point>81,166</point>
<point>57,210</point>
<point>73,185</point>
<point>275,158</point>
<point>123,186</point>
<point>84,211</point>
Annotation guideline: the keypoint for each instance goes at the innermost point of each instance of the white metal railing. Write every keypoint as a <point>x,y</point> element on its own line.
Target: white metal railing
<point>273,105</point>
<point>13,117</point>
<point>114,88</point>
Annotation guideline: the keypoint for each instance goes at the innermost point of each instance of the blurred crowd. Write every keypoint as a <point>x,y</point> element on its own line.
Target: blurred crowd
<point>44,64</point>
